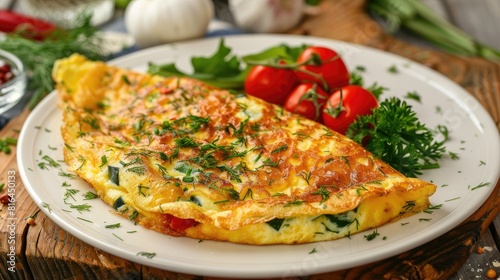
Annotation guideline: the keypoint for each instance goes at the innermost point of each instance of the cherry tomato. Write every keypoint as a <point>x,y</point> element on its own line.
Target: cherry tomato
<point>345,105</point>
<point>178,224</point>
<point>306,99</point>
<point>269,83</point>
<point>324,67</point>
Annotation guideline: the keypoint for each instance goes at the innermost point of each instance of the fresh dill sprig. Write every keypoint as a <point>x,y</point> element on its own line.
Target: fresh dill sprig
<point>117,225</point>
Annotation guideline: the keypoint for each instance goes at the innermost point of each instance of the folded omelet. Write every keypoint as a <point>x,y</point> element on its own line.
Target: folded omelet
<point>186,159</point>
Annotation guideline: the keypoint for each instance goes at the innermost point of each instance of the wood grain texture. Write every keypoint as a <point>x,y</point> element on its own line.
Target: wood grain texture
<point>45,251</point>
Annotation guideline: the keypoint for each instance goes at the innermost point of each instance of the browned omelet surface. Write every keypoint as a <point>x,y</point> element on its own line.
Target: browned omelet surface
<point>186,159</point>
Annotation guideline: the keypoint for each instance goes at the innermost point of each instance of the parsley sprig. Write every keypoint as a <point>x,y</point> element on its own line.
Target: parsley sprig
<point>394,134</point>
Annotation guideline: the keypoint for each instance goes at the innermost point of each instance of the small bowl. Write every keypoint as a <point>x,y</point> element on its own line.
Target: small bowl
<point>14,89</point>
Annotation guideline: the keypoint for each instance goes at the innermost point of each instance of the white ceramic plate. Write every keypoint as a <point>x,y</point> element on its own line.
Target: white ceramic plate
<point>463,184</point>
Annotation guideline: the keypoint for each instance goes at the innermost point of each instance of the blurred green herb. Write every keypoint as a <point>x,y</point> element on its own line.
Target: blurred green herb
<point>39,56</point>
<point>313,2</point>
<point>6,143</point>
<point>122,4</point>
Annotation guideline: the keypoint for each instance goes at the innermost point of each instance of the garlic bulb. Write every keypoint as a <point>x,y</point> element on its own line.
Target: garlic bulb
<point>153,22</point>
<point>265,16</point>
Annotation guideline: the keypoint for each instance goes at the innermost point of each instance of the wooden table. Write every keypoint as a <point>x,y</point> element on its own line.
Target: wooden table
<point>45,251</point>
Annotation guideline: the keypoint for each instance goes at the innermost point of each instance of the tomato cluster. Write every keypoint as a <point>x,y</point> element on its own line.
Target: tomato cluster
<point>316,87</point>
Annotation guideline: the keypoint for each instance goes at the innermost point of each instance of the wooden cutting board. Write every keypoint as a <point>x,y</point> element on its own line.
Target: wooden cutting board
<point>46,251</point>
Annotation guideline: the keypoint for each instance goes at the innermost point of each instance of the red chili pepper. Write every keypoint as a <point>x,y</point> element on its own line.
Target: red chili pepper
<point>28,26</point>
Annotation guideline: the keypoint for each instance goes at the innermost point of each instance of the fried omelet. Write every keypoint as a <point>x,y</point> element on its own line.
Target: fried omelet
<point>186,159</point>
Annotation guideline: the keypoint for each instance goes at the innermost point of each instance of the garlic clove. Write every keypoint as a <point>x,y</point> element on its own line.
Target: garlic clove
<point>265,16</point>
<point>153,22</point>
